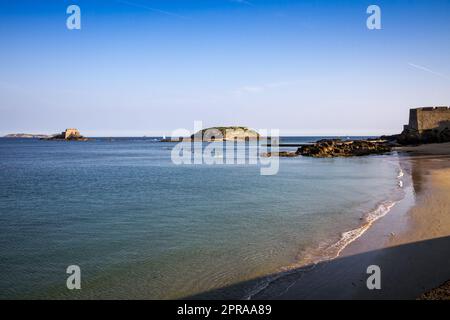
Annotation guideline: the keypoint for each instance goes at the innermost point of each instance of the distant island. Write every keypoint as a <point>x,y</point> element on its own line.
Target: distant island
<point>232,133</point>
<point>426,125</point>
<point>26,136</point>
<point>68,135</point>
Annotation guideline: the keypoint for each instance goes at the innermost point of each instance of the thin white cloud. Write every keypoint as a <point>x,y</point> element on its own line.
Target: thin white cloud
<point>242,2</point>
<point>255,89</point>
<point>428,70</point>
<point>141,6</point>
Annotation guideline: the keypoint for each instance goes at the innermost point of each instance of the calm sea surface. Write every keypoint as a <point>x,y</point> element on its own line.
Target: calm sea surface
<point>140,226</point>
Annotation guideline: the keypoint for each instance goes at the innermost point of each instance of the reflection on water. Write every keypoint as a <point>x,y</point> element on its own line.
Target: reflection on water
<point>419,168</point>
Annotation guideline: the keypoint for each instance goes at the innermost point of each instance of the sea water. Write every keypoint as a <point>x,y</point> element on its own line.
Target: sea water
<point>139,226</point>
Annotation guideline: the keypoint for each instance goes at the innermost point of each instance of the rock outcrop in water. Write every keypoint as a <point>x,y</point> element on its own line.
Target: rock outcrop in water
<point>283,154</point>
<point>68,135</point>
<point>337,148</point>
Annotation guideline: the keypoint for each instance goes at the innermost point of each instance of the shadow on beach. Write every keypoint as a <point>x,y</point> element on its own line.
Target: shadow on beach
<point>407,271</point>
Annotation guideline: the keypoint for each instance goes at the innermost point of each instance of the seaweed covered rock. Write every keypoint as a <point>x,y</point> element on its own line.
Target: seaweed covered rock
<point>337,148</point>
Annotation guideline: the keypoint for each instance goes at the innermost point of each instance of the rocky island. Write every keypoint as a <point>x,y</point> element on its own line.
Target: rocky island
<point>227,134</point>
<point>67,135</point>
<point>338,148</point>
<point>217,134</point>
<point>330,148</point>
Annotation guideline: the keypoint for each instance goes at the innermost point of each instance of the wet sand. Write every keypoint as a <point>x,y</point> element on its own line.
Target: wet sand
<point>427,149</point>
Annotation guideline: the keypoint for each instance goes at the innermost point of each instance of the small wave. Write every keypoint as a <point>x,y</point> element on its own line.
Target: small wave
<point>399,177</point>
<point>350,236</point>
<point>327,252</point>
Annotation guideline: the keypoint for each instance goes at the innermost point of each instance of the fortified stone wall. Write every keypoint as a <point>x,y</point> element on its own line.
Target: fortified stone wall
<point>427,125</point>
<point>74,133</point>
<point>421,119</point>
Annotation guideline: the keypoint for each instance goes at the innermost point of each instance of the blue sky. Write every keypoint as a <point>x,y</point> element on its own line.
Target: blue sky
<point>144,67</point>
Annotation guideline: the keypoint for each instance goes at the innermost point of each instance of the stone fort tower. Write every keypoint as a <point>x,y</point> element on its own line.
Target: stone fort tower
<point>429,124</point>
<point>71,133</point>
<point>421,119</point>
